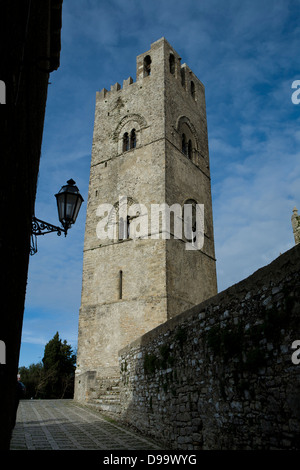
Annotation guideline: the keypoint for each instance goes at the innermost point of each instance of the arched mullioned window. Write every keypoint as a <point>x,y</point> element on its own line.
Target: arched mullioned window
<point>187,141</point>
<point>147,66</point>
<point>129,140</point>
<point>172,63</point>
<point>125,142</point>
<point>193,92</point>
<point>133,139</point>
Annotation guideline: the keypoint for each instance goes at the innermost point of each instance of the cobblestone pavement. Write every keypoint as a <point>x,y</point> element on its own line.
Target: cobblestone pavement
<point>65,425</point>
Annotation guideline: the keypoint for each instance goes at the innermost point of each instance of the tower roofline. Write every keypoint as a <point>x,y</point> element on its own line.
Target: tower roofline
<point>158,41</point>
<point>115,88</point>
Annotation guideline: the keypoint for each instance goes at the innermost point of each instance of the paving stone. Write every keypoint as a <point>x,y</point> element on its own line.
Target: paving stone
<point>65,425</point>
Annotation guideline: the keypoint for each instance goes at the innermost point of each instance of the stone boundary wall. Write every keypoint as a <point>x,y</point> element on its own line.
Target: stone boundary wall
<point>221,375</point>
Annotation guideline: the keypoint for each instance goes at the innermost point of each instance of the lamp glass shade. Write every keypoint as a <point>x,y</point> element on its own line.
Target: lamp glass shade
<point>69,201</point>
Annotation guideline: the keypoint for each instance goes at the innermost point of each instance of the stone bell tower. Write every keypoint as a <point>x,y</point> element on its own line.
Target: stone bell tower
<point>150,147</point>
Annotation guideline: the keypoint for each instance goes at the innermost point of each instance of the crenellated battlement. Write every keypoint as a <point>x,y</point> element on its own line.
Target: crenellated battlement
<point>104,93</point>
<point>161,59</point>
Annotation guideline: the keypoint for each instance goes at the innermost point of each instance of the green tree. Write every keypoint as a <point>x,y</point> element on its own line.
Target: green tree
<point>32,377</point>
<point>58,369</point>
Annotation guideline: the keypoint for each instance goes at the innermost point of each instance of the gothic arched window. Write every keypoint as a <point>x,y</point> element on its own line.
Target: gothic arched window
<point>187,141</point>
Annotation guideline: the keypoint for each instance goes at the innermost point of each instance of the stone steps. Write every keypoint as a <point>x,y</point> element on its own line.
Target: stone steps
<point>105,394</point>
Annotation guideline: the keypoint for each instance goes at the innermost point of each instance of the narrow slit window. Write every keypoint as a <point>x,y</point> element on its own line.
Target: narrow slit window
<point>120,284</point>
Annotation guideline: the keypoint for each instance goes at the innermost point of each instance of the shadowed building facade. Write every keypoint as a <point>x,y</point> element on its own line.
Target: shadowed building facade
<point>30,34</point>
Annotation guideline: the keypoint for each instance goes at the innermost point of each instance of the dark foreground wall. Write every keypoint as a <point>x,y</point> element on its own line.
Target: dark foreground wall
<point>221,376</point>
<point>30,49</point>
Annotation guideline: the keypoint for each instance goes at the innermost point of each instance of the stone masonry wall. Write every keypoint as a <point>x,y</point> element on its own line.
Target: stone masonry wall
<point>221,375</point>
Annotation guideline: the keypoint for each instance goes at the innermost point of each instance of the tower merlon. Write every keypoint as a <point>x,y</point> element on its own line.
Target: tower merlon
<point>115,87</point>
<point>104,93</point>
<point>101,94</point>
<point>127,82</point>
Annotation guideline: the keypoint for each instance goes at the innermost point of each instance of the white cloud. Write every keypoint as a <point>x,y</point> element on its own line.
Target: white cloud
<point>253,204</point>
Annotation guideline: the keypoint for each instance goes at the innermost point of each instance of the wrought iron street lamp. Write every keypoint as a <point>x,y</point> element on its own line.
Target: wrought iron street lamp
<point>69,201</point>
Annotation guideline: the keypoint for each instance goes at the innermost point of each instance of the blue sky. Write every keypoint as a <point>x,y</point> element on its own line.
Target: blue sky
<point>247,55</point>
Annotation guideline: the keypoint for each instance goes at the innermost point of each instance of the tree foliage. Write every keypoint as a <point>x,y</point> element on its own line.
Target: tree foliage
<point>54,376</point>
